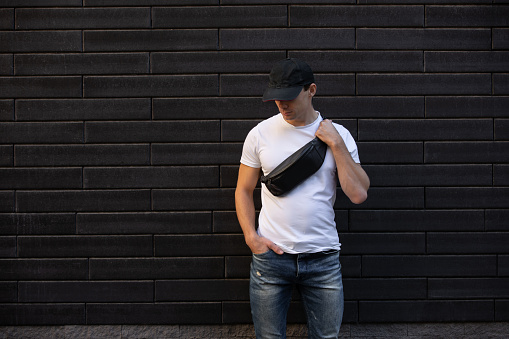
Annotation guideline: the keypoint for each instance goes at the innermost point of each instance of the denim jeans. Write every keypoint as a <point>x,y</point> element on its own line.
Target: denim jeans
<point>317,276</point>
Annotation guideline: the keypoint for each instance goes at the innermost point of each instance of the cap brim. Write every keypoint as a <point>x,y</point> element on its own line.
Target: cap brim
<point>287,93</point>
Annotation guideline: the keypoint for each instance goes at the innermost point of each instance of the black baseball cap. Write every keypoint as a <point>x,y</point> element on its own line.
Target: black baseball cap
<point>287,78</point>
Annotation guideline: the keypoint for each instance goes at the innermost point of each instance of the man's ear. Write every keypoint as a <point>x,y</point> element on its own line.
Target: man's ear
<point>312,89</point>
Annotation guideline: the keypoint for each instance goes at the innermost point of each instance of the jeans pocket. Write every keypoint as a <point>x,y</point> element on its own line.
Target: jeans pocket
<point>262,255</point>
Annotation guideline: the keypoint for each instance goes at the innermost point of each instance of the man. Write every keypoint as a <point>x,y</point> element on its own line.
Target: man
<point>296,243</point>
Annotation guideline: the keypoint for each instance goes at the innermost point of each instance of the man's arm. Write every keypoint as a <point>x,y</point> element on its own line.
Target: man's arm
<point>352,178</point>
<point>244,204</point>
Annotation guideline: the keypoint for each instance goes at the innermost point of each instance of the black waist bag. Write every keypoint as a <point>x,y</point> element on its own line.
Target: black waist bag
<point>296,168</point>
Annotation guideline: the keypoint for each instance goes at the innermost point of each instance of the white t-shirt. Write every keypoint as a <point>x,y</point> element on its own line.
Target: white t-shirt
<point>302,221</point>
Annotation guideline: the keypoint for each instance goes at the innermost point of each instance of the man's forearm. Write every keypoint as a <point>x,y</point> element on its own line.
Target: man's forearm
<point>244,204</point>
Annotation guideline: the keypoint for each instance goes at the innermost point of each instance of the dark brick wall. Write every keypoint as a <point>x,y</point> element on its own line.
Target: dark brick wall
<point>121,127</point>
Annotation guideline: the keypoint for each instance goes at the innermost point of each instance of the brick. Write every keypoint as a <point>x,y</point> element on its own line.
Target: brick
<point>82,201</point>
<point>362,61</point>
<point>150,40</point>
<point>69,64</point>
<point>471,288</point>
<point>216,331</point>
<point>157,268</point>
<point>501,175</point>
<point>81,155</point>
<point>423,39</point>
<point>355,16</point>
<point>8,292</point>
<point>43,269</point>
<point>41,132</point>
<point>150,331</point>
<point>7,201</point>
<point>375,243</point>
<point>501,84</point>
<point>149,86</point>
<point>151,177</point>
<point>40,178</point>
<point>143,223</point>
<point>495,329</point>
<point>501,310</point>
<point>426,129</point>
<point>496,220</point>
<point>40,87</point>
<point>201,290</point>
<point>196,154</point>
<point>384,289</point>
<point>82,18</point>
<point>464,197</point>
<point>235,2</point>
<point>156,131</point>
<point>385,198</point>
<point>424,84</point>
<point>44,41</point>
<point>85,246</point>
<point>217,108</point>
<point>502,129</point>
<point>193,199</point>
<point>7,247</point>
<point>284,38</point>
<point>86,291</point>
<point>34,223</point>
<point>6,110</point>
<point>237,130</point>
<point>370,107</point>
<point>6,18</point>
<point>151,314</point>
<point>429,175</point>
<point>466,61</point>
<point>436,329</point>
<point>6,155</point>
<point>466,107</point>
<point>149,2</point>
<point>426,311</point>
<point>42,314</point>
<point>416,220</point>
<point>6,64</point>
<point>467,242</point>
<point>254,85</point>
<point>40,3</point>
<point>503,265</point>
<point>429,266</point>
<point>214,62</point>
<point>229,176</point>
<point>500,38</point>
<point>226,222</point>
<point>390,152</point>
<point>466,152</point>
<point>200,245</point>
<point>380,330</point>
<point>220,17</point>
<point>83,109</point>
<point>467,16</point>
<point>426,2</point>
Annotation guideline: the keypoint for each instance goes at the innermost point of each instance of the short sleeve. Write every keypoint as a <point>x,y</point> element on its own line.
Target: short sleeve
<point>349,142</point>
<point>250,150</point>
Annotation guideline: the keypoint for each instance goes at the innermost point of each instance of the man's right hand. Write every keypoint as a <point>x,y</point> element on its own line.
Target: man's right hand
<point>259,245</point>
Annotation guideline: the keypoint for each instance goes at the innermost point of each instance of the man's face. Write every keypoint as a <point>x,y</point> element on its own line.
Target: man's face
<point>299,110</point>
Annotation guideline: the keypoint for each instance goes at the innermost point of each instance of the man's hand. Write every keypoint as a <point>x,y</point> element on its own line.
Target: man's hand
<point>259,245</point>
<point>328,133</point>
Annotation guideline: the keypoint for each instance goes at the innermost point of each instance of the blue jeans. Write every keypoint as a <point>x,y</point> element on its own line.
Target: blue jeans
<point>318,279</point>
